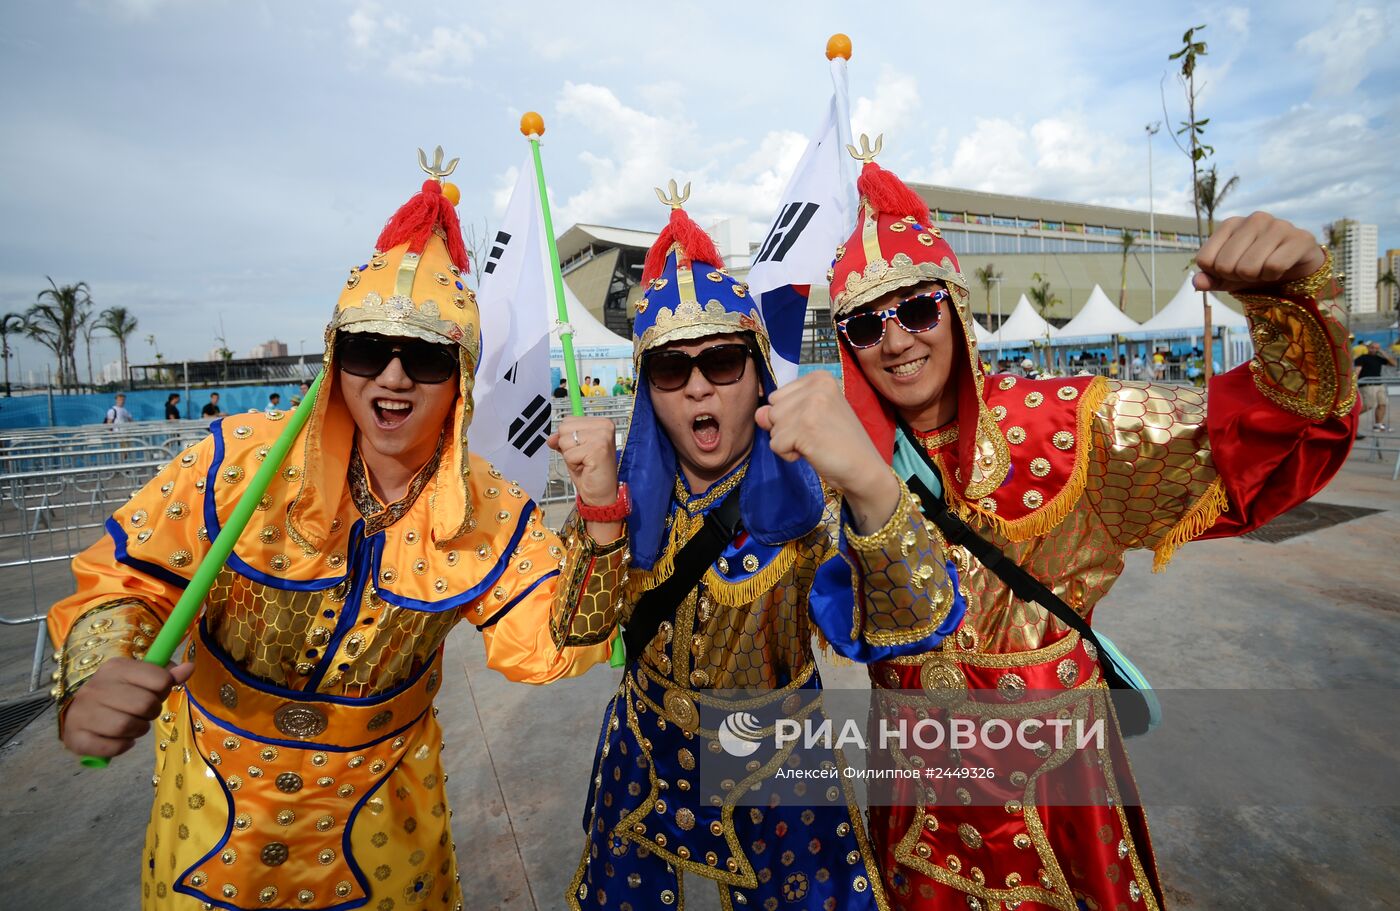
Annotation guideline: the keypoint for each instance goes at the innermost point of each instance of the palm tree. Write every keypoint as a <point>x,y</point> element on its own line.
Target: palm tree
<point>55,320</point>
<point>120,324</point>
<point>1211,194</point>
<point>1388,282</point>
<point>987,275</point>
<point>1041,295</point>
<point>9,323</point>
<point>1127,240</point>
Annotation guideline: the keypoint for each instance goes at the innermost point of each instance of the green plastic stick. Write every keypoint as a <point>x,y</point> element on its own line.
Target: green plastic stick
<point>186,610</point>
<point>566,339</point>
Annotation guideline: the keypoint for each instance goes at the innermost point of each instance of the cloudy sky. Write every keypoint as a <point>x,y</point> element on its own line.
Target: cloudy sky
<point>208,160</point>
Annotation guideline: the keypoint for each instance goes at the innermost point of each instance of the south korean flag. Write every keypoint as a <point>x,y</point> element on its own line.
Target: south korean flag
<point>815,216</point>
<point>512,383</point>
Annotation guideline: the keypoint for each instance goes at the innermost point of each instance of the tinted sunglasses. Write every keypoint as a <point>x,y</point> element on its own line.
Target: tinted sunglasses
<point>919,313</point>
<point>367,355</point>
<point>722,365</point>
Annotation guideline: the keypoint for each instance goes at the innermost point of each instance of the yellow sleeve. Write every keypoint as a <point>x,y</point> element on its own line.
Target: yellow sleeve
<point>128,582</point>
<point>521,612</point>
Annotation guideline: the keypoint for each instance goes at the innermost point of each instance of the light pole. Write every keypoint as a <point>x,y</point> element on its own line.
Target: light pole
<point>997,280</point>
<point>1152,129</point>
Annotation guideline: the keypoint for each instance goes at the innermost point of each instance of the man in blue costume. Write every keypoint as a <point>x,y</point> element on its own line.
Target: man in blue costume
<point>702,442</point>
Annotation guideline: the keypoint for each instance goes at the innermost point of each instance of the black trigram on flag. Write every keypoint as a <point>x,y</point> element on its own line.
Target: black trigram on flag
<point>785,231</point>
<point>512,372</point>
<point>498,247</point>
<point>527,432</point>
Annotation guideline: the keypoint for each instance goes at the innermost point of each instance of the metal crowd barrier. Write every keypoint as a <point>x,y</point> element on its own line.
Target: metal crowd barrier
<point>59,485</point>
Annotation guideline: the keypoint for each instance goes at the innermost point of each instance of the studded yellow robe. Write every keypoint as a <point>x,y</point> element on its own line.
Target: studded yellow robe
<point>299,766</point>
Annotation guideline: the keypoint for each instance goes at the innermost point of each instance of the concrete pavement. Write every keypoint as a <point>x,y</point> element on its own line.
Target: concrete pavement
<point>1318,611</point>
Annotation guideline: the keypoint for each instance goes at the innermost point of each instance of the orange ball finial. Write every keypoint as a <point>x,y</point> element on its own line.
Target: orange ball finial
<point>450,191</point>
<point>838,45</point>
<point>531,124</point>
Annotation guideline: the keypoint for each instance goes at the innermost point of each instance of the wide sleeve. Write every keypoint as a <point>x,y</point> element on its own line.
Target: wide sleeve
<point>890,593</point>
<point>1281,429</point>
<point>1170,463</point>
<point>127,583</point>
<point>552,613</point>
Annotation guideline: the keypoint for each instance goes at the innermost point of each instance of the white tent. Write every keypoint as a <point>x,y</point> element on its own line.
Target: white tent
<point>1023,327</point>
<point>1098,320</point>
<point>599,351</point>
<point>1182,317</point>
<point>984,338</point>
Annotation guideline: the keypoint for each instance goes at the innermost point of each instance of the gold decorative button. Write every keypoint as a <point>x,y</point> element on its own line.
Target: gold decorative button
<point>288,782</point>
<point>1067,393</point>
<point>1016,435</point>
<point>1063,439</point>
<point>274,854</point>
<point>1033,499</point>
<point>1040,467</point>
<point>1006,383</point>
<point>299,720</point>
<point>1033,399</point>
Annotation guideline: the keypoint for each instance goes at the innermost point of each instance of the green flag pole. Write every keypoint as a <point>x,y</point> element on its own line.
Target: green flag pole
<point>186,610</point>
<point>532,125</point>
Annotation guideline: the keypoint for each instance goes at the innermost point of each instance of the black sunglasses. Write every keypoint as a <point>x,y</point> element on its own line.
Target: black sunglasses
<point>722,365</point>
<point>919,313</point>
<point>365,355</point>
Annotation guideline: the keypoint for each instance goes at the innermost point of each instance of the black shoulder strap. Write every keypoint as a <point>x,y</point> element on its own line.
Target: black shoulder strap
<point>1022,584</point>
<point>659,604</point>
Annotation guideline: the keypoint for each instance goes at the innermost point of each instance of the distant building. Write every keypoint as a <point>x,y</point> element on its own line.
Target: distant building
<point>1388,293</point>
<point>272,348</point>
<point>1073,246</point>
<point>1355,258</point>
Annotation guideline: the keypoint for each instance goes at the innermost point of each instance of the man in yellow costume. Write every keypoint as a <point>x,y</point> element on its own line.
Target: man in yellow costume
<point>297,766</point>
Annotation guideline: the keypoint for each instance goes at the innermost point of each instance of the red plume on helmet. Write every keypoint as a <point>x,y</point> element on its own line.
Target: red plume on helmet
<point>888,195</point>
<point>416,220</point>
<point>696,246</point>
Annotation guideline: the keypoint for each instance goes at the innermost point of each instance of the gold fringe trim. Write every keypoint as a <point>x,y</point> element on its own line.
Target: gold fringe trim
<point>1044,520</point>
<point>739,594</point>
<point>1198,519</point>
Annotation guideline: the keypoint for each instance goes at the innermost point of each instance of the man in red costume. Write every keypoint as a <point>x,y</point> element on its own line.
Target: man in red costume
<point>1063,475</point>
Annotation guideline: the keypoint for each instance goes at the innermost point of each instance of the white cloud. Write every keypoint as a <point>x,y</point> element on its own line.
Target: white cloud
<point>638,149</point>
<point>1320,164</point>
<point>1061,157</point>
<point>440,55</point>
<point>1343,47</point>
<point>894,107</point>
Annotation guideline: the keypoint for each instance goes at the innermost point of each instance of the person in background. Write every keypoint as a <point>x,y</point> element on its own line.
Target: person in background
<point>302,390</point>
<point>562,390</point>
<point>619,386</point>
<point>274,403</point>
<point>211,408</point>
<point>1368,366</point>
<point>118,414</point>
<point>597,387</point>
<point>586,388</point>
<point>172,407</point>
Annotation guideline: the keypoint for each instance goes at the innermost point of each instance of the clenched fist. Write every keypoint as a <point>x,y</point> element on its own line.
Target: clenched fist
<point>1254,251</point>
<point>115,706</point>
<point>589,448</point>
<point>809,418</point>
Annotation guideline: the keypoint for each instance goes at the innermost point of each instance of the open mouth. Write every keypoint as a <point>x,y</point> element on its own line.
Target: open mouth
<point>391,413</point>
<point>705,429</point>
<point>903,371</point>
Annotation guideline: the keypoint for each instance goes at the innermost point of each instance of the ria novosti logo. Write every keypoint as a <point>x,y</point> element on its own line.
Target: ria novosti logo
<point>739,734</point>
